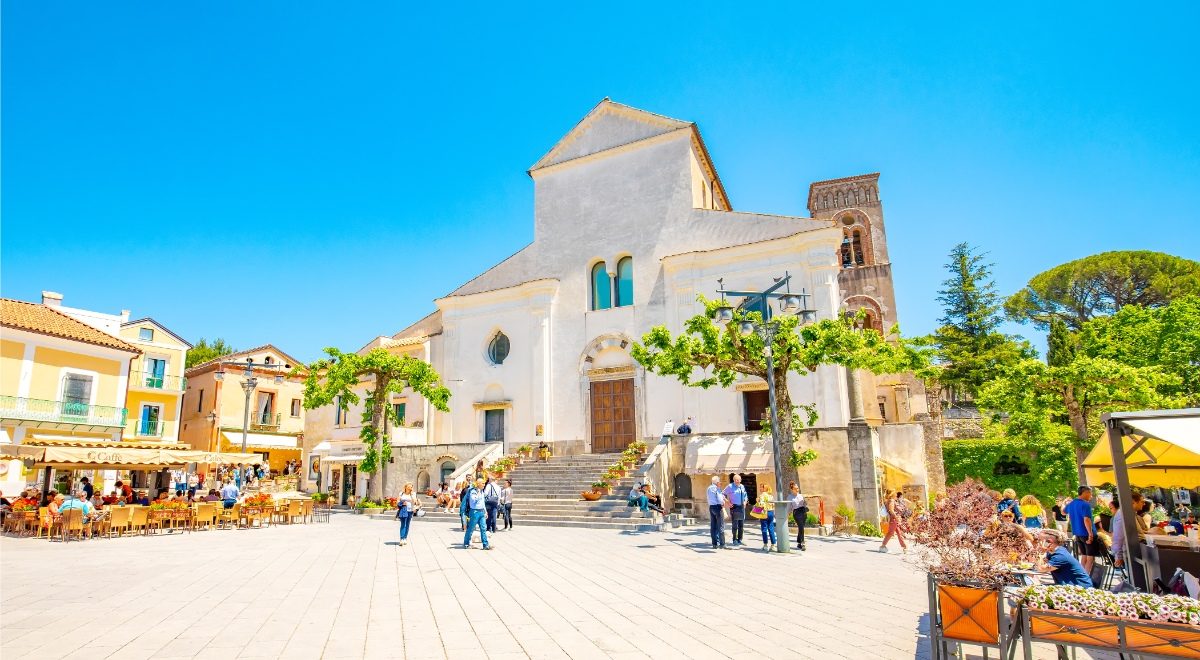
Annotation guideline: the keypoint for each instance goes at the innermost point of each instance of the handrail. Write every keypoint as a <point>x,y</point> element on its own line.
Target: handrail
<point>152,381</point>
<point>494,450</point>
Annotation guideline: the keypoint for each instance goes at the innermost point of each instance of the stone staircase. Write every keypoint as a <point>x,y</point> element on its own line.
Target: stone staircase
<point>547,495</point>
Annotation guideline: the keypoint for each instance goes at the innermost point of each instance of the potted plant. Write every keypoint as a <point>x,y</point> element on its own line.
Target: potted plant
<point>595,493</point>
<point>617,470</point>
<point>525,451</point>
<point>602,486</point>
<point>969,557</point>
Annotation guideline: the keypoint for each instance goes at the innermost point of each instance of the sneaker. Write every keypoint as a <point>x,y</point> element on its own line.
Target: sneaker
<point>774,547</point>
<point>488,547</point>
<point>883,549</point>
<point>764,547</point>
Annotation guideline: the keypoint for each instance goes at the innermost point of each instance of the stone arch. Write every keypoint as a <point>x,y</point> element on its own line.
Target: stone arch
<point>851,220</point>
<point>600,344</point>
<point>422,481</point>
<point>874,319</point>
<point>683,487</point>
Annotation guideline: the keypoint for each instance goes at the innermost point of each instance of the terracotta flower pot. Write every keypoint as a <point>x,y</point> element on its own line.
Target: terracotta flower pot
<point>591,495</point>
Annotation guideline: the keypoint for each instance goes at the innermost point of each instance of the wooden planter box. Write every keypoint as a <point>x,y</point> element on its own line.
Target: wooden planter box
<point>1141,637</point>
<point>969,614</point>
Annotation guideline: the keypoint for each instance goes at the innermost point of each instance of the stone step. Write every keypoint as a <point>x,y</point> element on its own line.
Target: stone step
<point>622,524</point>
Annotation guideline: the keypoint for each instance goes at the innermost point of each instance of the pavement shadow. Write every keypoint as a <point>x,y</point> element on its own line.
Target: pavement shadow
<point>924,649</point>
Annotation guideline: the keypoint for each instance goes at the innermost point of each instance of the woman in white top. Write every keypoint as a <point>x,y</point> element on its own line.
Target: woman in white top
<point>798,507</point>
<point>506,497</point>
<point>406,509</point>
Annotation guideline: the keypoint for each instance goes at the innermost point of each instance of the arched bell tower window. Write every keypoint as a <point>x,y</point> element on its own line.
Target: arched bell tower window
<point>858,248</point>
<point>498,348</point>
<point>625,282</point>
<point>601,287</point>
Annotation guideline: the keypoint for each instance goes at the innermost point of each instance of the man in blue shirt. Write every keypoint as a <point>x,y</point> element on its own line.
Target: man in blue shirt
<point>736,493</point>
<point>1059,563</point>
<point>716,513</point>
<point>229,494</point>
<point>1079,513</point>
<point>478,508</point>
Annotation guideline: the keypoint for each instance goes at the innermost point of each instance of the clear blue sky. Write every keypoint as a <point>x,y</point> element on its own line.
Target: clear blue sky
<point>246,170</point>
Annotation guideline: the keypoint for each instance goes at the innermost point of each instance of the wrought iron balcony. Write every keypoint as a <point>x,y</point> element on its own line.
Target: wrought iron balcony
<point>146,381</point>
<point>41,411</point>
<point>266,421</point>
<point>146,428</point>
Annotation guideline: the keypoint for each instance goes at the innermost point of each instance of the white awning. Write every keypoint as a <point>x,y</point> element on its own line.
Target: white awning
<point>343,459</point>
<point>322,448</point>
<point>722,454</point>
<point>234,438</point>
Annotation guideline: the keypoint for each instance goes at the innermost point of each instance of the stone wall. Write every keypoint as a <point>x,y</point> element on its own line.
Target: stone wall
<point>971,427</point>
<point>408,463</point>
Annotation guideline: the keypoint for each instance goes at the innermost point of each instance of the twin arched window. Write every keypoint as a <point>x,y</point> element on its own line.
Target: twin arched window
<point>603,288</point>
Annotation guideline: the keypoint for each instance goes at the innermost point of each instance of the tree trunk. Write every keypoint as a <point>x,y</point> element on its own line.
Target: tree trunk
<point>783,405</point>
<point>1079,425</point>
<point>375,481</point>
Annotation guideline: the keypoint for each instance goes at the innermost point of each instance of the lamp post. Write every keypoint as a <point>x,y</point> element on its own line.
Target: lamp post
<point>249,384</point>
<point>789,303</point>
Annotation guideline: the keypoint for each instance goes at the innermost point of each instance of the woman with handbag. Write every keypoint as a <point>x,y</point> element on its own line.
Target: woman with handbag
<point>798,506</point>
<point>765,515</point>
<point>406,509</point>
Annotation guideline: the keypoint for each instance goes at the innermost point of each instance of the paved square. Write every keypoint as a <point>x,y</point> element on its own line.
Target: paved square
<point>345,590</point>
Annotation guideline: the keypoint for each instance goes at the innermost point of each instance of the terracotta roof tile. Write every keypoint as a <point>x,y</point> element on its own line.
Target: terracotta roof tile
<point>44,320</point>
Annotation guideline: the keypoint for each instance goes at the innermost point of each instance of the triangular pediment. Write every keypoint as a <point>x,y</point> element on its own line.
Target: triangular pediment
<point>609,125</point>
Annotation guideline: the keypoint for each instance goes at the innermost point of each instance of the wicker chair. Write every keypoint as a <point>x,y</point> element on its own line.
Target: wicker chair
<point>71,522</point>
<point>230,516</point>
<point>47,522</point>
<point>140,518</point>
<point>295,509</point>
<point>119,518</point>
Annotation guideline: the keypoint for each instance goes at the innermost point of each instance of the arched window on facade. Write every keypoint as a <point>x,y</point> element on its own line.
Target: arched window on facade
<point>625,282</point>
<point>847,257</point>
<point>601,287</point>
<point>856,240</point>
<point>498,348</point>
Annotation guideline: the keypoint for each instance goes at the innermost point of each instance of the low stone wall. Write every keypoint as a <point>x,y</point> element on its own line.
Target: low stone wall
<point>417,463</point>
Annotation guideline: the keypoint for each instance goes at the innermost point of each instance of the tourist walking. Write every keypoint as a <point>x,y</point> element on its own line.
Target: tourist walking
<point>406,509</point>
<point>1032,512</point>
<point>1079,513</point>
<point>897,513</point>
<point>736,493</point>
<point>798,508</point>
<point>716,513</point>
<point>464,507</point>
<point>491,501</point>
<point>506,497</point>
<point>229,494</point>
<point>474,502</point>
<point>193,482</point>
<point>765,512</point>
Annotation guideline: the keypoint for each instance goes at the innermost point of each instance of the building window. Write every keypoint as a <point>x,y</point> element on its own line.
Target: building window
<point>146,334</point>
<point>498,348</point>
<point>447,469</point>
<point>268,360</point>
<point>151,422</point>
<point>76,394</point>
<point>625,282</point>
<point>295,407</point>
<point>883,408</point>
<point>601,287</point>
<point>398,410</point>
<point>155,371</point>
<point>757,409</point>
<point>266,407</point>
<point>200,403</point>
<point>858,248</point>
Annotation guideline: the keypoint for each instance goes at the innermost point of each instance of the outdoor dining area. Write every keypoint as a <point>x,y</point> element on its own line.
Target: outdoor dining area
<point>255,512</point>
<point>35,514</point>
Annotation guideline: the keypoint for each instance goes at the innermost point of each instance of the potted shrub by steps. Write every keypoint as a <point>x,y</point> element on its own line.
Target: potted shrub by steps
<point>969,558</point>
<point>525,451</point>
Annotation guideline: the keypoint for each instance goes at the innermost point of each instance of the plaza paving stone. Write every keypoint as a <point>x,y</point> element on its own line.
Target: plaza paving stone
<point>347,590</point>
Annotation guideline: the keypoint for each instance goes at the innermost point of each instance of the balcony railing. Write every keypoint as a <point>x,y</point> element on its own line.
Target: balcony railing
<point>146,428</point>
<point>60,412</point>
<point>153,382</point>
<point>266,422</point>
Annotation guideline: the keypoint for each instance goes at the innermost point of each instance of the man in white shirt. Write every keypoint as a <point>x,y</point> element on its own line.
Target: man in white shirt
<point>491,499</point>
<point>716,513</point>
<point>736,493</point>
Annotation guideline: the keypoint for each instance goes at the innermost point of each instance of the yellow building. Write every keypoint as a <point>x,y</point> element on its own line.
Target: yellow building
<point>215,409</point>
<point>156,383</point>
<point>59,377</point>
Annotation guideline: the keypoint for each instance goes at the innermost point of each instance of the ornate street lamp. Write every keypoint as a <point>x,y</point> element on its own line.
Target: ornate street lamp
<point>789,303</point>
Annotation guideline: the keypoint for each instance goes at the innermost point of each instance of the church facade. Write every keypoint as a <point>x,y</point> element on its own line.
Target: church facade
<point>631,224</point>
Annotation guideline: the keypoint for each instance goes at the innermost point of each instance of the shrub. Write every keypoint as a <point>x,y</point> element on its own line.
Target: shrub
<point>868,528</point>
<point>812,520</point>
<point>600,484</point>
<point>845,512</point>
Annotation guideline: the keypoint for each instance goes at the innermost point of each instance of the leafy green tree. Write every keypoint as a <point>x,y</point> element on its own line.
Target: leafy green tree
<point>1102,284</point>
<point>204,351</point>
<point>334,378</point>
<point>969,345</point>
<point>706,354</point>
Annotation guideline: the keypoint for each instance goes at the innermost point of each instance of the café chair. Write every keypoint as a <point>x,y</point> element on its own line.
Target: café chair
<point>71,522</point>
<point>140,518</point>
<point>119,518</point>
<point>47,522</point>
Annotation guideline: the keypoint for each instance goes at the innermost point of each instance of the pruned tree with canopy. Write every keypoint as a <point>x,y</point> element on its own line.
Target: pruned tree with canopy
<point>333,379</point>
<point>706,354</point>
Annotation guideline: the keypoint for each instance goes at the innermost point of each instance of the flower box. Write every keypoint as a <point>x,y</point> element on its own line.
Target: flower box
<point>969,614</point>
<point>1130,636</point>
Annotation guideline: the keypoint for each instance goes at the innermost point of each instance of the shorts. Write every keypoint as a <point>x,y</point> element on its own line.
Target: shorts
<point>1085,549</point>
